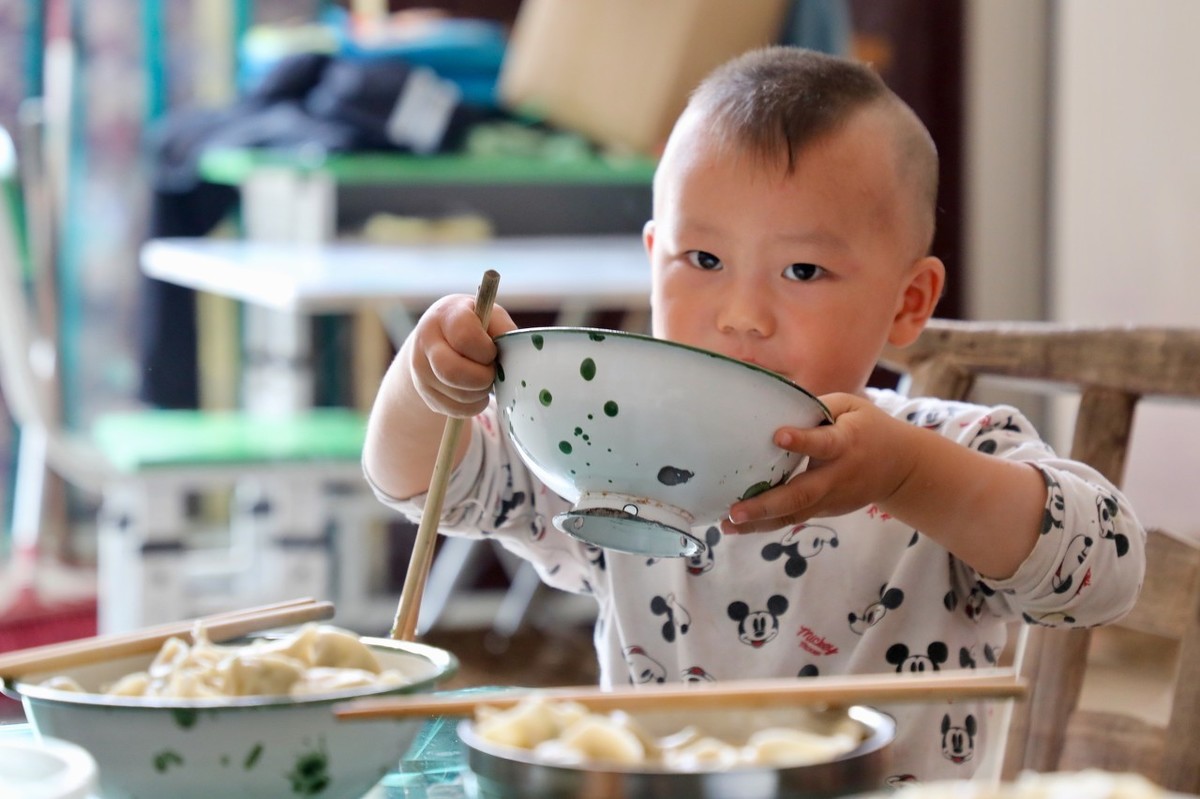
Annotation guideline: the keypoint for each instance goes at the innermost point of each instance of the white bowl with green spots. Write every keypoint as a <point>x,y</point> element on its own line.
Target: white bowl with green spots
<point>650,440</point>
<point>240,748</point>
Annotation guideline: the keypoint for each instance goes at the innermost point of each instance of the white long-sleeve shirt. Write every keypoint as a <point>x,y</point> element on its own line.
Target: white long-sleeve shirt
<point>857,593</point>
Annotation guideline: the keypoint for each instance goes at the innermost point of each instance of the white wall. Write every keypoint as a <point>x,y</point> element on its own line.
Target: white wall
<point>1125,206</point>
<point>1083,192</point>
<point>1005,129</point>
<point>1006,149</point>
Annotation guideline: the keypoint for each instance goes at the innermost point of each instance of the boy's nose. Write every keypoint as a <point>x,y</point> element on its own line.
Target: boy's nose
<point>745,310</point>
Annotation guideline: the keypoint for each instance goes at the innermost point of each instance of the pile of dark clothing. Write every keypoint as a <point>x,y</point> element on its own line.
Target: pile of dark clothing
<point>313,103</point>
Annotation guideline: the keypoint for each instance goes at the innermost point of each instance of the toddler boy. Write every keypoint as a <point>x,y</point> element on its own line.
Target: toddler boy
<point>793,213</point>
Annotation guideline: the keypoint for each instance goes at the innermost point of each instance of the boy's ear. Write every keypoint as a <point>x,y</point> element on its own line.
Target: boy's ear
<point>919,296</point>
<point>648,236</point>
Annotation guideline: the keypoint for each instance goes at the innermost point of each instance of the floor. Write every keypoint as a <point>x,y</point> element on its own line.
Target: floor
<point>1130,673</point>
<point>532,657</point>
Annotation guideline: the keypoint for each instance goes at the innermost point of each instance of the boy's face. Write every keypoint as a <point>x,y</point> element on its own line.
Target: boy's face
<point>806,274</point>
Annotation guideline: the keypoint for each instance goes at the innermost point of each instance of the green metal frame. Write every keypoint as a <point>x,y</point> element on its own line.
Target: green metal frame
<point>232,167</point>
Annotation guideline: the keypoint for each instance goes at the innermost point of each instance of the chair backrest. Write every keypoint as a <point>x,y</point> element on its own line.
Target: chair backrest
<point>1111,369</point>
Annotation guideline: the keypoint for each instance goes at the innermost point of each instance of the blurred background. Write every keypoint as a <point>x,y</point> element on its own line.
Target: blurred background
<point>1067,129</point>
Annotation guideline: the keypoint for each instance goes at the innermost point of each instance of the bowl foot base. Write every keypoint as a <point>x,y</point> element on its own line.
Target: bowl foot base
<point>630,524</point>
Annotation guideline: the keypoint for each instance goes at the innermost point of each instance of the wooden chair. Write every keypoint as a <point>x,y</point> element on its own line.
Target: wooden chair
<point>1111,368</point>
<point>147,464</point>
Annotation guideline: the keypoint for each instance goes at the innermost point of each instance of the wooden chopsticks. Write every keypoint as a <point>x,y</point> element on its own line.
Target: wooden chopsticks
<point>218,627</point>
<point>739,694</point>
<point>404,626</point>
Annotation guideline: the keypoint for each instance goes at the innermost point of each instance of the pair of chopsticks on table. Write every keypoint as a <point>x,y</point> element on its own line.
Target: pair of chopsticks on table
<point>834,691</point>
<point>218,627</point>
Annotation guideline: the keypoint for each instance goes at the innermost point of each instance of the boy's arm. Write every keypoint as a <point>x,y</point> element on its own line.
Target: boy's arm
<point>444,368</point>
<point>493,496</point>
<point>985,510</point>
<point>403,433</point>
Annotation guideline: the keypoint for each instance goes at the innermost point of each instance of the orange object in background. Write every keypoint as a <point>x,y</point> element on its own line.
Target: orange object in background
<point>619,72</point>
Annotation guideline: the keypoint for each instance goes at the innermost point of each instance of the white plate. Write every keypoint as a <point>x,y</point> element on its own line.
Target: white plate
<point>46,769</point>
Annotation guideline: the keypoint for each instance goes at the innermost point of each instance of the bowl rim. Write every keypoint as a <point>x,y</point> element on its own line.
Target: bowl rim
<point>444,661</point>
<point>881,728</point>
<point>572,331</point>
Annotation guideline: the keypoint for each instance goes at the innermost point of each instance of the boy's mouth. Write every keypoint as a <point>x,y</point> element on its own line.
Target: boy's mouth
<point>755,362</point>
<point>750,359</point>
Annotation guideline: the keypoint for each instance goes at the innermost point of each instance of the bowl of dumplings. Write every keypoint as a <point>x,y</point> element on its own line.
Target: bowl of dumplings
<point>251,718</point>
<point>650,440</point>
<point>540,748</point>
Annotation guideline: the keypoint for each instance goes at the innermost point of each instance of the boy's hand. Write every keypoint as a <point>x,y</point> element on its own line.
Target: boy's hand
<point>863,458</point>
<point>452,358</point>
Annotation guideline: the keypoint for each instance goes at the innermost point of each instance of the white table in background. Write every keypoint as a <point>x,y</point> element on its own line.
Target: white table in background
<point>573,276</point>
<point>536,273</point>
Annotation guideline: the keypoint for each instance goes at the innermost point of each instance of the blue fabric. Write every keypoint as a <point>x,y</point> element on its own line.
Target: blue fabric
<point>449,47</point>
<point>822,25</point>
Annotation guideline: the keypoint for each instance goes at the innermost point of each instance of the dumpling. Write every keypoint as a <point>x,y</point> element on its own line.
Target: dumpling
<point>64,684</point>
<point>185,685</point>
<point>702,754</point>
<point>265,674</point>
<point>524,725</point>
<point>566,713</point>
<point>326,646</point>
<point>604,738</point>
<point>135,684</point>
<point>323,680</point>
<point>339,649</point>
<point>173,653</point>
<point>314,659</point>
<point>556,752</point>
<point>786,746</point>
<point>678,739</point>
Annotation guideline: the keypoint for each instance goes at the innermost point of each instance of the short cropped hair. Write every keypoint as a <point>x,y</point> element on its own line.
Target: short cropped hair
<point>774,101</point>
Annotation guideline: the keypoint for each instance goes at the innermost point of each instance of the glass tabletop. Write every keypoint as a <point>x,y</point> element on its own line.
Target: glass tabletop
<point>432,768</point>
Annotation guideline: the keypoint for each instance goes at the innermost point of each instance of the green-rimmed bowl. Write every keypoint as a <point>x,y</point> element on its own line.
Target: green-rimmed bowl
<point>238,748</point>
<point>649,439</point>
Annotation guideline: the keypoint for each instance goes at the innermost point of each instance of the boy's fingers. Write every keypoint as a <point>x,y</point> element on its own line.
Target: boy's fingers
<point>837,404</point>
<point>457,406</point>
<point>473,342</point>
<point>825,441</point>
<point>820,443</point>
<point>788,504</point>
<point>457,370</point>
<point>460,396</point>
<point>472,379</point>
<point>500,322</point>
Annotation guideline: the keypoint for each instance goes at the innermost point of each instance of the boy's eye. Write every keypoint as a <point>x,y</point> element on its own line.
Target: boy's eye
<point>803,272</point>
<point>704,260</point>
